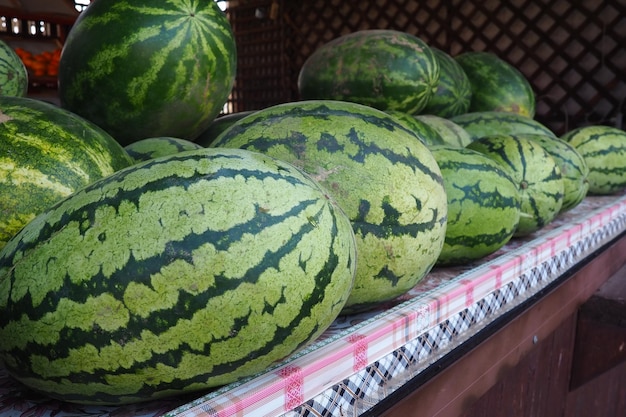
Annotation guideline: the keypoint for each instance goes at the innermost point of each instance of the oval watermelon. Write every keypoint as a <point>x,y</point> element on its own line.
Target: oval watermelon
<point>534,170</point>
<point>46,154</point>
<point>13,73</point>
<point>177,274</point>
<point>151,148</point>
<point>379,172</point>
<point>147,68</point>
<point>453,95</point>
<point>604,150</point>
<point>483,205</point>
<point>384,69</point>
<point>496,85</point>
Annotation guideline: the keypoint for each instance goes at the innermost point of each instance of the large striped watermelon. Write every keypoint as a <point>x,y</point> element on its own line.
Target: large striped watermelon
<point>174,275</point>
<point>384,69</point>
<point>453,95</point>
<point>483,204</point>
<point>148,68</point>
<point>534,170</point>
<point>47,153</point>
<point>378,171</point>
<point>487,123</point>
<point>13,73</point>
<point>604,150</point>
<point>496,84</point>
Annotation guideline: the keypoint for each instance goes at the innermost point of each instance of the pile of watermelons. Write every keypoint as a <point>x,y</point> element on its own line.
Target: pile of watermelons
<point>149,248</point>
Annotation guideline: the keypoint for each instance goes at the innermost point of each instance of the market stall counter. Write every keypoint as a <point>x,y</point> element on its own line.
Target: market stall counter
<point>367,363</point>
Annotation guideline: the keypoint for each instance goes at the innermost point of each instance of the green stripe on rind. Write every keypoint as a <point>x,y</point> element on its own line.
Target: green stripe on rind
<point>378,171</point>
<point>604,150</point>
<point>149,320</point>
<point>496,84</point>
<point>384,69</point>
<point>483,205</point>
<point>161,70</point>
<point>536,173</point>
<point>487,123</point>
<point>454,92</point>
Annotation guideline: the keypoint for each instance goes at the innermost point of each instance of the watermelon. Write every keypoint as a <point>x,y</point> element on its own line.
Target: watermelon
<point>47,153</point>
<point>174,275</point>
<point>384,69</point>
<point>425,132</point>
<point>454,91</point>
<point>450,132</point>
<point>535,172</point>
<point>604,150</point>
<point>151,148</point>
<point>13,73</point>
<point>574,169</point>
<point>383,177</point>
<point>483,205</point>
<point>496,84</point>
<point>148,68</point>
<point>487,123</point>
<point>219,125</point>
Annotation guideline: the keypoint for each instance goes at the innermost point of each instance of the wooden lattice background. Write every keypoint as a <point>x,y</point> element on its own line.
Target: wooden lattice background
<point>573,52</point>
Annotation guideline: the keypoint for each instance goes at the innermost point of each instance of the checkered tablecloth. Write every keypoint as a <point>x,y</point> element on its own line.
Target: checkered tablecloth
<point>364,357</point>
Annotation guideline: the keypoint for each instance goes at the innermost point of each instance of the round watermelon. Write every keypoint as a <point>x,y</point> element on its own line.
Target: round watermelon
<point>488,123</point>
<point>454,91</point>
<point>218,125</point>
<point>424,131</point>
<point>536,173</point>
<point>604,150</point>
<point>379,172</point>
<point>496,85</point>
<point>13,73</point>
<point>174,275</point>
<point>148,68</point>
<point>384,69</point>
<point>46,154</point>
<point>483,205</point>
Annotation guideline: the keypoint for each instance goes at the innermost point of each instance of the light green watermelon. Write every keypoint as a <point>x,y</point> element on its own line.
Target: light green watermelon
<point>151,148</point>
<point>450,132</point>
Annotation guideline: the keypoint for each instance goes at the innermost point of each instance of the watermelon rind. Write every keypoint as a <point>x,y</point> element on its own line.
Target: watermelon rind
<point>496,84</point>
<point>141,69</point>
<point>487,123</point>
<point>453,95</point>
<point>175,275</point>
<point>574,169</point>
<point>424,131</point>
<point>379,172</point>
<point>536,173</point>
<point>151,148</point>
<point>604,150</point>
<point>450,132</point>
<point>483,205</point>
<point>382,68</point>
<point>46,154</point>
<point>13,73</point>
